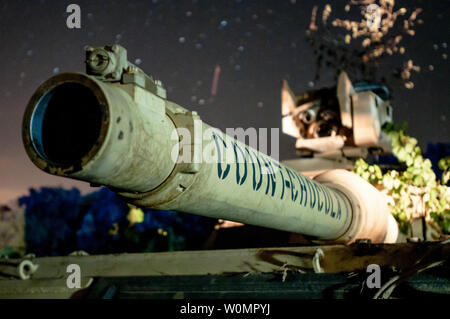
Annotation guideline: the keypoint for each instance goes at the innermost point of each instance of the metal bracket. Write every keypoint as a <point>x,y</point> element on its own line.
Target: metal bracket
<point>20,268</point>
<point>316,261</point>
<point>190,121</point>
<point>110,64</point>
<point>184,173</point>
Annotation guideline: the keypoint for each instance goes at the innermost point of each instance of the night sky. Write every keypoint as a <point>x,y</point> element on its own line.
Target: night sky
<point>255,43</point>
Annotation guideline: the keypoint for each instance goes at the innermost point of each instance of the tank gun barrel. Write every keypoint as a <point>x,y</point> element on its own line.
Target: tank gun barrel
<point>114,126</point>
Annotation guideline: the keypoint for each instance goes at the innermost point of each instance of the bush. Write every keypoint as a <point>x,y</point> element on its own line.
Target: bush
<point>415,191</point>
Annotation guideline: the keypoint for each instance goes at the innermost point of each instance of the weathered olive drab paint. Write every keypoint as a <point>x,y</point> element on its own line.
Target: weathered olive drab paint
<point>133,156</point>
<point>256,189</point>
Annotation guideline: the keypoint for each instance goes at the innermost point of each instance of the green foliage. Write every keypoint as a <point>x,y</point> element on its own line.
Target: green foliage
<point>10,252</point>
<point>444,164</point>
<point>415,191</point>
